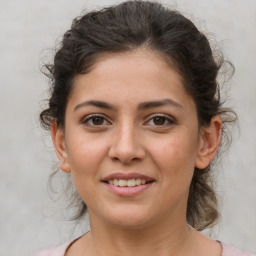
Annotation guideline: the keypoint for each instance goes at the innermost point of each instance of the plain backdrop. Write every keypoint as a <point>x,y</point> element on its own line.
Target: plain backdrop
<point>29,220</point>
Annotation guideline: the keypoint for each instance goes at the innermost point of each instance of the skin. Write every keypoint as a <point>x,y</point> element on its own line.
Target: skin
<point>163,142</point>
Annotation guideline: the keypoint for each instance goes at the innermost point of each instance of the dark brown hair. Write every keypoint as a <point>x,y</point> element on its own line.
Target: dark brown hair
<point>128,26</point>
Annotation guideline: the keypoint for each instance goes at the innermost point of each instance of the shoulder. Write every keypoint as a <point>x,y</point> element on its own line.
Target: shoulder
<point>56,251</point>
<point>228,250</point>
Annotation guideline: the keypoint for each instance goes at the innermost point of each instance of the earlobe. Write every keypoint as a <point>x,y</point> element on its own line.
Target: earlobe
<point>58,140</point>
<point>209,141</point>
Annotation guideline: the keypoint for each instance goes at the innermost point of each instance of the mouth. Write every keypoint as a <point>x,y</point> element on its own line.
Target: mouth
<point>127,180</point>
<point>127,183</point>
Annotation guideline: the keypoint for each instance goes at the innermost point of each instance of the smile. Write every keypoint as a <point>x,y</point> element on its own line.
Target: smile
<point>127,183</point>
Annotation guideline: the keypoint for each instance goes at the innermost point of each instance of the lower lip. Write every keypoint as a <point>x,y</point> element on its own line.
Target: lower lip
<point>128,191</point>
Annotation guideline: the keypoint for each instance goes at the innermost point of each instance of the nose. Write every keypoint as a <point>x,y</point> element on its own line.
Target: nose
<point>126,146</point>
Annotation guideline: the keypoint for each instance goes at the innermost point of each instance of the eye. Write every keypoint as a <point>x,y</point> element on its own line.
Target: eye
<point>160,120</point>
<point>95,120</point>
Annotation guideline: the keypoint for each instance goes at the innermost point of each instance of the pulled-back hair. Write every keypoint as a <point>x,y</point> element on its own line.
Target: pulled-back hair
<point>129,26</point>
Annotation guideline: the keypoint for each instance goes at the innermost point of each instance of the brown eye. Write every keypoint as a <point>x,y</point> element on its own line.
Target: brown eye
<point>95,120</point>
<point>159,120</point>
<point>98,120</point>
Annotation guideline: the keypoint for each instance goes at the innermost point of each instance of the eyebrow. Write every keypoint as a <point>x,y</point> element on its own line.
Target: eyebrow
<point>142,106</point>
<point>96,103</point>
<point>159,103</point>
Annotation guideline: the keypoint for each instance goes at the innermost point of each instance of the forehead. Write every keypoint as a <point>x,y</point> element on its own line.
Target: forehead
<point>128,76</point>
<point>142,59</point>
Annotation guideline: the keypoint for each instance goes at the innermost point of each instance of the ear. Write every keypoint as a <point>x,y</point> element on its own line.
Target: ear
<point>58,139</point>
<point>209,141</point>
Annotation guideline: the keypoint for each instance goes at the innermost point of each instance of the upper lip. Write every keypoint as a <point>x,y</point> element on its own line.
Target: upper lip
<point>127,176</point>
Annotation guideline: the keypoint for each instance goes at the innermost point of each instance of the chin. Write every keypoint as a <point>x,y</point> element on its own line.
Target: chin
<point>130,223</point>
<point>133,217</point>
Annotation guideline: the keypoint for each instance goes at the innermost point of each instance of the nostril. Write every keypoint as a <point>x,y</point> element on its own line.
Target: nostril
<point>125,158</point>
<point>116,159</point>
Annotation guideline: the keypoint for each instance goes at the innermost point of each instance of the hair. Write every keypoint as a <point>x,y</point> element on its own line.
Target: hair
<point>142,24</point>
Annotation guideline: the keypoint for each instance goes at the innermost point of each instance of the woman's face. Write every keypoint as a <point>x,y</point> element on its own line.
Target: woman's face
<point>130,121</point>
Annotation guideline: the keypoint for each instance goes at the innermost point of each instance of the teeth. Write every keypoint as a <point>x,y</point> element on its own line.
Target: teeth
<point>131,183</point>
<point>138,181</point>
<point>127,183</point>
<point>122,183</point>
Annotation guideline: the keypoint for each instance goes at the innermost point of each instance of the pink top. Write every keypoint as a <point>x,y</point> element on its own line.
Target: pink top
<point>228,250</point>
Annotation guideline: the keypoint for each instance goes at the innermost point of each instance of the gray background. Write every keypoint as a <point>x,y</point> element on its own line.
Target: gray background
<point>29,220</point>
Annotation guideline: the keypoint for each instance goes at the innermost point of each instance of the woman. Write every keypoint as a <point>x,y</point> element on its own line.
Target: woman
<point>136,119</point>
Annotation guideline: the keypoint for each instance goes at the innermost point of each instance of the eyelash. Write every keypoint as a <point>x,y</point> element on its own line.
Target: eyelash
<point>166,118</point>
<point>94,116</point>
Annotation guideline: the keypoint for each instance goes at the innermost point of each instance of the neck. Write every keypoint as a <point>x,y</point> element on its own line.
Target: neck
<point>164,239</point>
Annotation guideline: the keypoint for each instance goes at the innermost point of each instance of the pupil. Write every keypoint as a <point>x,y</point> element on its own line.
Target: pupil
<point>159,120</point>
<point>97,120</point>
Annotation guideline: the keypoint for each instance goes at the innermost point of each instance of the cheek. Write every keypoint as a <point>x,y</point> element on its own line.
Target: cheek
<point>177,148</point>
<point>85,156</point>
<point>176,157</point>
<point>85,159</point>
